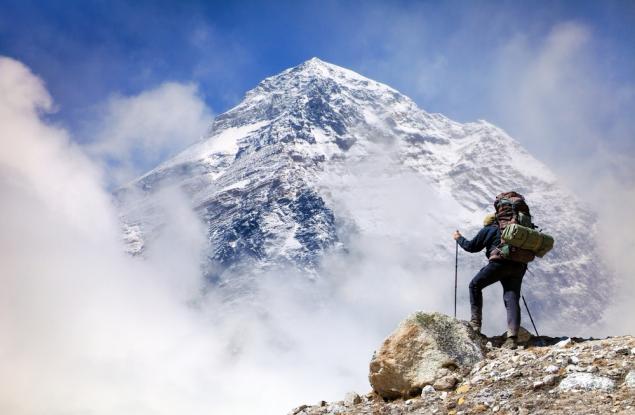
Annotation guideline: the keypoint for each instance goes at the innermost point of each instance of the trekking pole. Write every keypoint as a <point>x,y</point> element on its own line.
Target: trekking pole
<point>528,312</point>
<point>456,273</point>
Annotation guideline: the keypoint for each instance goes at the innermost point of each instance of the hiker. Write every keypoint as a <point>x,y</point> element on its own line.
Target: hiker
<point>509,273</point>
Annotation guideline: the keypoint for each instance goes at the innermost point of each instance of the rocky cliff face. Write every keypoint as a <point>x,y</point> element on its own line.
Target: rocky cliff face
<point>273,184</point>
<point>545,375</point>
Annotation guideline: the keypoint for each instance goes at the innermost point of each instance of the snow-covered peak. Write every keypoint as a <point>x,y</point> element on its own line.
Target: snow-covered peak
<point>317,65</point>
<point>322,78</point>
<point>317,68</point>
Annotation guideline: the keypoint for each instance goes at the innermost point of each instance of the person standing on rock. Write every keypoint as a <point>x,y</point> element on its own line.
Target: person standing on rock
<point>509,273</point>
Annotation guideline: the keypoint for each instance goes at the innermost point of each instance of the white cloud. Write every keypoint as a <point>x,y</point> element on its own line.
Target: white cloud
<point>81,322</point>
<point>554,96</point>
<point>86,328</point>
<point>551,95</point>
<point>135,133</point>
<point>69,188</point>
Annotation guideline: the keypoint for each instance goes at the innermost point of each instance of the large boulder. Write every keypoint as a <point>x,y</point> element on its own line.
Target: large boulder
<point>425,348</point>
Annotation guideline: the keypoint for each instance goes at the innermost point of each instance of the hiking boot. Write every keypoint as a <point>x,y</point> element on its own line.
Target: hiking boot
<point>476,326</point>
<point>511,343</point>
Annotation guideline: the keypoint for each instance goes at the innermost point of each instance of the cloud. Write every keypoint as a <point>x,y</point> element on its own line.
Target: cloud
<point>68,187</point>
<point>87,328</point>
<point>611,199</point>
<point>135,133</point>
<point>74,310</point>
<point>555,97</point>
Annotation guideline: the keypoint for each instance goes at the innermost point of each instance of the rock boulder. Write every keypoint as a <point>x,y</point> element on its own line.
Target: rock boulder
<point>424,350</point>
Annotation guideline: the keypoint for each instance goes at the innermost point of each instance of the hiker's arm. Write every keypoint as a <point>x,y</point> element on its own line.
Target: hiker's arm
<point>476,244</point>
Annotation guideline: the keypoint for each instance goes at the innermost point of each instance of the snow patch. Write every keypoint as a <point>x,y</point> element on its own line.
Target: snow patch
<point>238,185</point>
<point>225,142</point>
<point>586,381</point>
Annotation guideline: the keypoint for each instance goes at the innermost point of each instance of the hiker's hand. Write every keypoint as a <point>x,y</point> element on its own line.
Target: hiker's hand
<point>456,235</point>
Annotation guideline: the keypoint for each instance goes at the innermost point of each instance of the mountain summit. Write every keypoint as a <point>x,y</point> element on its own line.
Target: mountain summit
<point>318,156</point>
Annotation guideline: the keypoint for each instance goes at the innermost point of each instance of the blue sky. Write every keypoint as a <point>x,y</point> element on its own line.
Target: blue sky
<point>463,59</point>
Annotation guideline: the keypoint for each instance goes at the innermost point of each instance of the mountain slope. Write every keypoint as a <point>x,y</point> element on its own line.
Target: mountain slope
<point>307,163</point>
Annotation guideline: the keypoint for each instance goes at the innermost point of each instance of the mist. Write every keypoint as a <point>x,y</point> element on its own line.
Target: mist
<point>88,328</point>
<point>132,134</point>
<point>558,98</point>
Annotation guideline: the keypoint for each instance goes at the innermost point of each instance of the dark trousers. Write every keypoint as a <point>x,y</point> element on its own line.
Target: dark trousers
<point>510,274</point>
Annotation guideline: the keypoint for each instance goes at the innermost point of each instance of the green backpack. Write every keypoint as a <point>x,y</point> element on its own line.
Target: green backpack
<point>526,238</point>
<point>520,241</point>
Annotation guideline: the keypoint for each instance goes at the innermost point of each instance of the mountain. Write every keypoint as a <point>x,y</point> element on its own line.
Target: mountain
<point>318,157</point>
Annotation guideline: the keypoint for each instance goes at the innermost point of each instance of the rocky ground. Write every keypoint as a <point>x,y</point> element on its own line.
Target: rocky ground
<point>545,376</point>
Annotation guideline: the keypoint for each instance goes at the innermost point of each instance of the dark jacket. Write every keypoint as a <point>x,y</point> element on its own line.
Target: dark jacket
<point>489,237</point>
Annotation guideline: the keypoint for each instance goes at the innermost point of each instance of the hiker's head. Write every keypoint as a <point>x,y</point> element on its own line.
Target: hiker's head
<point>489,219</point>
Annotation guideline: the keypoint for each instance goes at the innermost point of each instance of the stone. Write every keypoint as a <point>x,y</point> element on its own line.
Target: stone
<point>477,379</point>
<point>574,360</point>
<point>550,380</point>
<point>629,381</point>
<point>335,409</point>
<point>443,372</point>
<point>411,356</point>
<point>622,350</point>
<point>586,381</point>
<point>563,343</point>
<point>445,383</point>
<point>352,398</point>
<point>428,390</point>
<point>524,335</point>
<point>552,369</point>
<point>479,408</point>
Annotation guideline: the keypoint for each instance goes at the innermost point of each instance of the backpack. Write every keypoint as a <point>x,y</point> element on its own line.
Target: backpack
<point>520,241</point>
